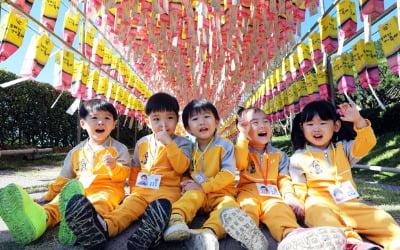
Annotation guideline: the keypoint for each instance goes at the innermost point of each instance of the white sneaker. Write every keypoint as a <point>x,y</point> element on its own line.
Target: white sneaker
<point>327,238</point>
<point>178,231</point>
<point>200,240</point>
<point>240,226</point>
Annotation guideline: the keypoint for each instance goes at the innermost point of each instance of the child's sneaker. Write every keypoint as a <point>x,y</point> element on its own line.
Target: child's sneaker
<point>177,229</point>
<point>202,239</point>
<point>354,244</point>
<point>25,219</point>
<point>240,226</point>
<point>73,187</point>
<point>88,226</point>
<point>151,226</point>
<point>314,238</point>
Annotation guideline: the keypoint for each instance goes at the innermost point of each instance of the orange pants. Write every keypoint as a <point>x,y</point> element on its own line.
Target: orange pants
<point>273,212</point>
<point>354,218</point>
<point>101,201</point>
<point>212,203</point>
<point>134,206</point>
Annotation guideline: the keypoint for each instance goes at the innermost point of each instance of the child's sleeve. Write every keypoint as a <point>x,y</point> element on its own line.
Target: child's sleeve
<point>135,167</point>
<point>298,179</point>
<point>123,164</point>
<point>284,180</point>
<point>362,144</point>
<point>67,173</point>
<point>179,153</point>
<point>241,153</point>
<point>226,176</point>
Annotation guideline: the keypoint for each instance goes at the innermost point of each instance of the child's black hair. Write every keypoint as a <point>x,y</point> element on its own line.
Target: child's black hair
<point>326,111</point>
<point>161,102</point>
<point>196,106</point>
<point>95,105</point>
<point>243,111</point>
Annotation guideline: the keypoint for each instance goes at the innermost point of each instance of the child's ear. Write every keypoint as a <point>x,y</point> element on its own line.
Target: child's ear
<point>337,126</point>
<point>147,122</point>
<point>82,123</point>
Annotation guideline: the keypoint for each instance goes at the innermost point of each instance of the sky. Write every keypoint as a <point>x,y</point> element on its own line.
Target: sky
<point>14,62</point>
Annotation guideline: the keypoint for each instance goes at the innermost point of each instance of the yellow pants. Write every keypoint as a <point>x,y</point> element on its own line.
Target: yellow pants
<point>101,201</point>
<point>134,206</point>
<point>193,200</point>
<point>354,218</point>
<point>273,212</point>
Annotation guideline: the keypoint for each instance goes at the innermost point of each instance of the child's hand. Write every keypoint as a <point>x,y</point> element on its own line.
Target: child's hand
<point>163,136</point>
<point>40,200</point>
<point>109,161</point>
<point>295,204</point>
<point>244,128</point>
<point>351,114</point>
<point>191,185</point>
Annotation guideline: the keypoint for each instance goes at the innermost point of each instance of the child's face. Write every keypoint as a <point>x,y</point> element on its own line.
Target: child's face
<point>202,125</point>
<point>98,125</point>
<point>318,132</point>
<point>260,128</point>
<point>160,119</point>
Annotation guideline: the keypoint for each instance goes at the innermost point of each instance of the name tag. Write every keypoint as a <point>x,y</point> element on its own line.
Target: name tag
<point>343,192</point>
<point>268,190</point>
<point>148,180</point>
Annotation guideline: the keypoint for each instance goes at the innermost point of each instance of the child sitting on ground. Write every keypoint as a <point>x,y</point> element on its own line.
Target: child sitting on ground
<point>325,151</point>
<point>100,163</point>
<point>163,157</point>
<point>265,191</point>
<point>211,184</point>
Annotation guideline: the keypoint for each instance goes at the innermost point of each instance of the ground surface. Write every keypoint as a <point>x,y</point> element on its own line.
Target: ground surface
<point>41,176</point>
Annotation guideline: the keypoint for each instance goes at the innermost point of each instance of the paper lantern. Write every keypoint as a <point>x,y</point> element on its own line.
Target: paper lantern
<point>12,32</point>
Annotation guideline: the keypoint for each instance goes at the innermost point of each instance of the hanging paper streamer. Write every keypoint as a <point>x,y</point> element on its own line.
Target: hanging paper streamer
<point>347,18</point>
<point>293,97</point>
<point>294,65</point>
<point>312,86</point>
<point>314,41</point>
<point>102,88</point>
<point>304,57</point>
<point>390,40</point>
<point>343,74</point>
<point>328,34</point>
<point>287,75</point>
<point>92,84</point>
<point>366,63</point>
<point>86,40</point>
<point>312,6</point>
<point>63,69</point>
<point>70,26</point>
<point>24,5</point>
<point>323,82</point>
<point>49,13</point>
<point>79,79</point>
<point>301,88</point>
<point>107,57</point>
<point>371,8</point>
<point>98,51</point>
<point>115,61</point>
<point>38,53</point>
<point>12,32</point>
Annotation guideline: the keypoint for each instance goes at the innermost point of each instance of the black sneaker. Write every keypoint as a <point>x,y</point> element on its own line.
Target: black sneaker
<point>152,225</point>
<point>88,226</point>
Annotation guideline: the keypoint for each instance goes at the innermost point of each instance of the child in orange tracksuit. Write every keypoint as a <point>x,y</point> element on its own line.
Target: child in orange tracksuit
<point>163,157</point>
<point>321,165</point>
<point>100,163</point>
<point>211,186</point>
<point>265,191</point>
